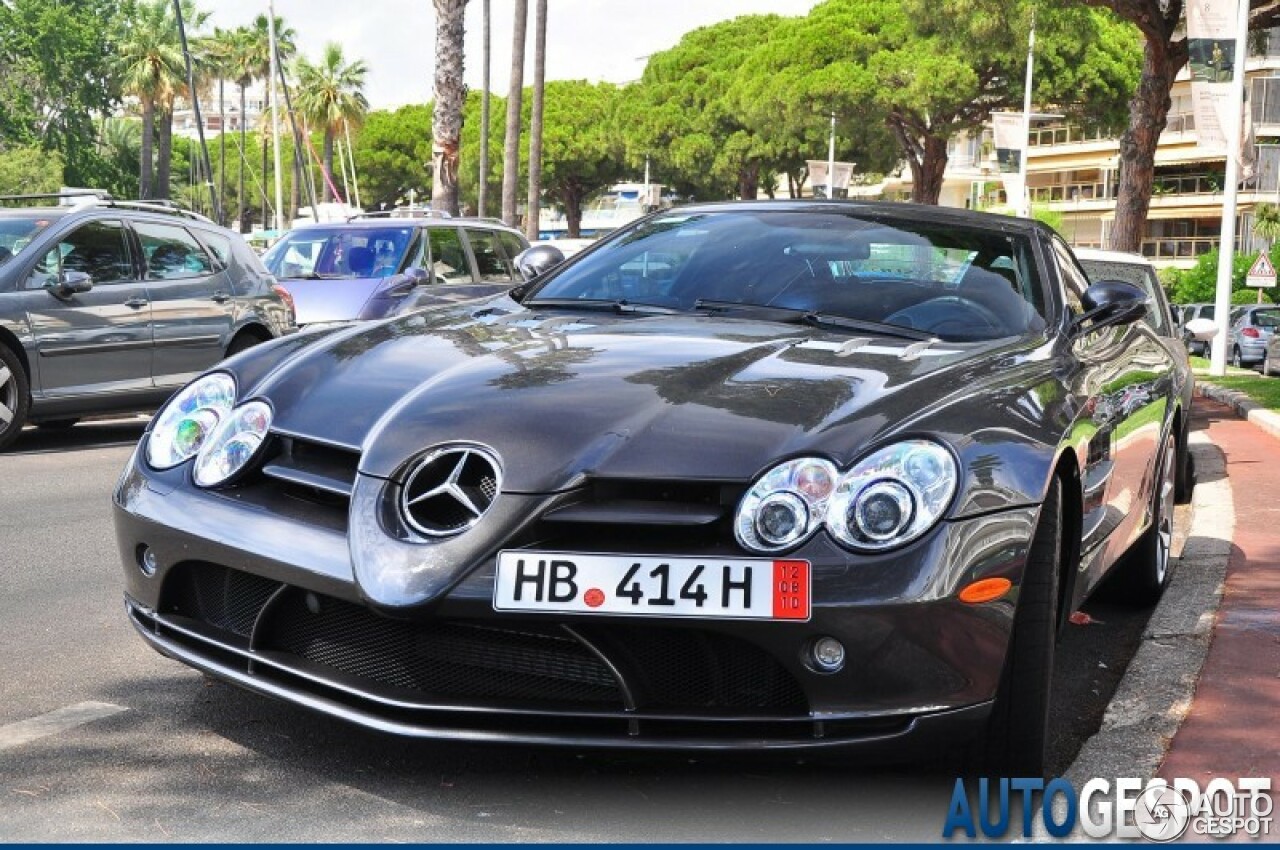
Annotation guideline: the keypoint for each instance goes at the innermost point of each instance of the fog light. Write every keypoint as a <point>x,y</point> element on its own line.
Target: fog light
<point>827,654</point>
<point>147,559</point>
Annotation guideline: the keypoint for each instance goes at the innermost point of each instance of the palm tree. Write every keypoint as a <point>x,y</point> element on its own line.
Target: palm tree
<point>249,60</point>
<point>482,202</point>
<point>151,68</point>
<point>515,92</point>
<point>535,120</point>
<point>217,58</point>
<point>1266,221</point>
<point>331,97</point>
<point>450,94</point>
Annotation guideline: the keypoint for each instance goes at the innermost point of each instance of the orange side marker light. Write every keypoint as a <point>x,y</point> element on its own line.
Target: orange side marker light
<point>985,590</point>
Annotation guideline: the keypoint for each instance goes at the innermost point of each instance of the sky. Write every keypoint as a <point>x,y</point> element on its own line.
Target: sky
<point>586,39</point>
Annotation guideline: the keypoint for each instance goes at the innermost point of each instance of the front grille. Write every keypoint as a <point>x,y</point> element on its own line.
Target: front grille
<point>614,514</point>
<point>641,678</point>
<point>306,465</point>
<point>444,660</point>
<point>226,599</point>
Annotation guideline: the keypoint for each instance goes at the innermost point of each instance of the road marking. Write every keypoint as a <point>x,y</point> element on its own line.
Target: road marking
<point>59,720</point>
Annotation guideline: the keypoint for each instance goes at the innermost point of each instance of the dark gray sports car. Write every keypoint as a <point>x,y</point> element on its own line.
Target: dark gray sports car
<point>741,476</point>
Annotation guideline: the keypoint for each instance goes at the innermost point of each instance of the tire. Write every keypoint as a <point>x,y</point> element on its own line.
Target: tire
<point>1018,729</point>
<point>1184,475</point>
<point>1146,566</point>
<point>1236,360</point>
<point>56,424</point>
<point>15,397</point>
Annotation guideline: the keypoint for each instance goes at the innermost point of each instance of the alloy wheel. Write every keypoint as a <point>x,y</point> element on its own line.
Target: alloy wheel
<point>8,396</point>
<point>1164,517</point>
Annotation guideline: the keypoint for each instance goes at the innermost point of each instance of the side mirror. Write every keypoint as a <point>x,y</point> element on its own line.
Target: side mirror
<point>534,262</point>
<point>417,275</point>
<point>400,285</point>
<point>1111,302</point>
<point>72,283</point>
<point>1202,330</point>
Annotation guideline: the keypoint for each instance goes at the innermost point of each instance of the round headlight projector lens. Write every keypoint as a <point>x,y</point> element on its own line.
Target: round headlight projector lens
<point>827,654</point>
<point>186,422</point>
<point>883,510</point>
<point>781,519</point>
<point>233,444</point>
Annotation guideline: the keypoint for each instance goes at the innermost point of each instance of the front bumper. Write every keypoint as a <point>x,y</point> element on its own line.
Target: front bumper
<point>267,601</point>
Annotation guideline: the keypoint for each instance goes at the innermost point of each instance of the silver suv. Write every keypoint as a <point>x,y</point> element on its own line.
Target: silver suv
<point>108,306</point>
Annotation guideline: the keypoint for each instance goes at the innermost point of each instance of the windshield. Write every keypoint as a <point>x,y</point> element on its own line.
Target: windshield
<point>339,253</point>
<point>17,233</point>
<point>953,282</point>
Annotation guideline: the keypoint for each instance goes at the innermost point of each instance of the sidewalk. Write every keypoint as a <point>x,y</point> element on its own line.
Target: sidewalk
<point>1230,730</point>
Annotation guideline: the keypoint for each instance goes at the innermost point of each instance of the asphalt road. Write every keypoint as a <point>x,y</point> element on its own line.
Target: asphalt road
<point>174,757</point>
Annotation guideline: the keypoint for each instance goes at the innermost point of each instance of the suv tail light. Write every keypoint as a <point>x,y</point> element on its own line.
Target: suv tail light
<point>1252,333</point>
<point>286,297</point>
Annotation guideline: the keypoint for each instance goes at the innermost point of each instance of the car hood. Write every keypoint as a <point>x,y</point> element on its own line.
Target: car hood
<point>563,396</point>
<point>333,300</point>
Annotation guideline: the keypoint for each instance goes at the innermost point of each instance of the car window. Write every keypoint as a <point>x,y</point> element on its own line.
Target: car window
<point>1140,275</point>
<point>448,257</point>
<point>1269,319</point>
<point>513,246</point>
<point>1074,280</point>
<point>100,249</point>
<point>490,261</point>
<point>16,233</point>
<point>218,245</point>
<point>339,252</point>
<point>953,281</point>
<point>170,252</point>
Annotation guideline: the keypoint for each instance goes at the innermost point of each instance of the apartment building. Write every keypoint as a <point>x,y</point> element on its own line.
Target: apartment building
<point>1074,172</point>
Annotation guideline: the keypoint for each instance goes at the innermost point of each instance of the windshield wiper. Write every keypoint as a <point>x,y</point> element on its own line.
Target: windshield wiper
<point>620,306</point>
<point>796,316</point>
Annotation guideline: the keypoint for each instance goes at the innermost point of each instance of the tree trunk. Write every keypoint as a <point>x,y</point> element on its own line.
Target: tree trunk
<point>164,153</point>
<point>515,92</point>
<point>295,184</point>
<point>482,202</point>
<point>571,197</point>
<point>222,153</point>
<point>534,207</point>
<point>327,158</point>
<point>241,209</point>
<point>924,152</point>
<point>749,182</point>
<point>446,119</point>
<point>1148,112</point>
<point>146,158</point>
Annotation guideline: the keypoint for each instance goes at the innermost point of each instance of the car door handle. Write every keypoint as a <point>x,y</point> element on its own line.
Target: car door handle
<point>220,297</point>
<point>137,303</point>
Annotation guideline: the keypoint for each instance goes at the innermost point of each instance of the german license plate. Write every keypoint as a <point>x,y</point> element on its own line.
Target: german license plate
<point>652,586</point>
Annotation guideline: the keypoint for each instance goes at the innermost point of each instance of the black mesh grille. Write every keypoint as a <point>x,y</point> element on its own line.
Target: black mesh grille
<point>674,669</point>
<point>444,660</point>
<point>224,598</point>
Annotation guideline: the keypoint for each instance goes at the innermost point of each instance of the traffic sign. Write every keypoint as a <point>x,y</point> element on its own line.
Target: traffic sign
<point>1261,273</point>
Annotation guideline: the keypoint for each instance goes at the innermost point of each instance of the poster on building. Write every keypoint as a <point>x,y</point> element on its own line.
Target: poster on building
<point>1211,52</point>
<point>1009,133</point>
<point>818,177</point>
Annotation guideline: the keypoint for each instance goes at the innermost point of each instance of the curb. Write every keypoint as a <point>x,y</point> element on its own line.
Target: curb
<point>1245,407</point>
<point>1154,696</point>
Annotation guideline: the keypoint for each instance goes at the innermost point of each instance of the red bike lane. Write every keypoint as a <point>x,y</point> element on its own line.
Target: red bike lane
<point>1231,730</point>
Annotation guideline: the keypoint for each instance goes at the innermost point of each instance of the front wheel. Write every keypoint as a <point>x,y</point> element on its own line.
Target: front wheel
<point>15,397</point>
<point>1146,566</point>
<point>1236,360</point>
<point>1018,731</point>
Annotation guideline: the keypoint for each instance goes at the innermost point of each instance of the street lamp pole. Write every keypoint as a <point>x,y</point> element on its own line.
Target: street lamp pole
<point>1024,202</point>
<point>275,126</point>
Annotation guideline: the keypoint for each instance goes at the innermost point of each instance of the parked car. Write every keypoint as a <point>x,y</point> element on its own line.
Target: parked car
<point>1102,265</point>
<point>746,476</point>
<point>375,266</point>
<point>109,306</point>
<point>1199,348</point>
<point>1251,329</point>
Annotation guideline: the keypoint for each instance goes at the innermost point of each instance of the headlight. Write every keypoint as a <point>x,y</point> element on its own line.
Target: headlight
<point>892,496</point>
<point>233,443</point>
<point>786,505</point>
<point>887,499</point>
<point>185,423</point>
